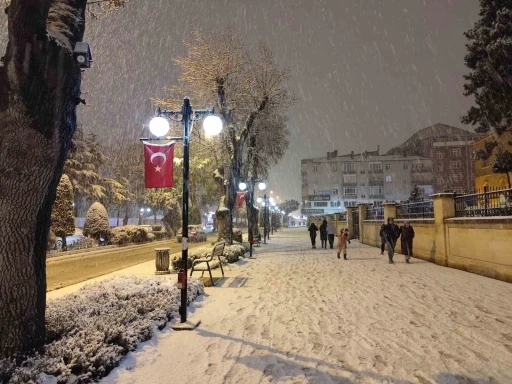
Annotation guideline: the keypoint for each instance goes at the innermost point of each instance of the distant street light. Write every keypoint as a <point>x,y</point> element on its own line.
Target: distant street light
<point>262,186</point>
<point>159,127</point>
<point>242,186</point>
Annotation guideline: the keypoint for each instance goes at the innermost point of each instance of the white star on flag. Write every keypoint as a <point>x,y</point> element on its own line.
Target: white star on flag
<point>157,168</point>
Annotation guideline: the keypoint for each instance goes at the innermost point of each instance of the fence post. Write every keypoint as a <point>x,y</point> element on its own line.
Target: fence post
<point>444,208</point>
<point>362,216</point>
<point>389,211</point>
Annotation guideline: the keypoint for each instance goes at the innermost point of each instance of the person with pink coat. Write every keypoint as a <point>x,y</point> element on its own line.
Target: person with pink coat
<point>342,243</point>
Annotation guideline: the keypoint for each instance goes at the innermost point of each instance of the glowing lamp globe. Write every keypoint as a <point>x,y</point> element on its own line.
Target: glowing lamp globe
<point>242,186</point>
<point>259,199</point>
<point>212,125</point>
<point>262,186</point>
<point>159,126</point>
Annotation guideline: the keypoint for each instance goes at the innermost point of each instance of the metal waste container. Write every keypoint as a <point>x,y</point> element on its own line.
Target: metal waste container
<point>162,261</point>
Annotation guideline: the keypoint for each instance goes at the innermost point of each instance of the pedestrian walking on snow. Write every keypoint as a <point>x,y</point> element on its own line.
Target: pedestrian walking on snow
<point>342,243</point>
<point>331,233</point>
<point>407,234</point>
<point>312,234</point>
<point>391,234</point>
<point>382,239</point>
<point>323,234</point>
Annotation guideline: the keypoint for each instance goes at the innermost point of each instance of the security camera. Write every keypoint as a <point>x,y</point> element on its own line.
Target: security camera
<point>82,54</point>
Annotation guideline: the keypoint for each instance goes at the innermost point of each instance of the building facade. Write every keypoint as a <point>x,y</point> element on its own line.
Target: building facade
<point>484,177</point>
<point>333,183</point>
<point>451,151</point>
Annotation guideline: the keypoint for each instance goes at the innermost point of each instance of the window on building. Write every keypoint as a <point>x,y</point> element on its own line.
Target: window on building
<point>406,166</point>
<point>362,172</point>
<point>307,204</point>
<point>321,204</point>
<point>439,155</point>
<point>335,191</point>
<point>375,190</point>
<point>349,191</point>
<point>375,167</point>
<point>455,164</point>
<point>363,196</point>
<point>377,203</point>
<point>314,192</point>
<point>349,167</point>
<point>456,152</point>
<point>349,179</point>
<point>350,203</point>
<point>335,204</point>
<point>315,168</point>
<point>440,180</point>
<point>334,168</point>
<point>439,168</point>
<point>388,167</point>
<point>417,166</point>
<point>388,179</point>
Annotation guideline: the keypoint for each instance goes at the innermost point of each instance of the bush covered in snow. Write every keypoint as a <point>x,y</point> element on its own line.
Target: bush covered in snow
<point>232,253</point>
<point>96,222</point>
<point>237,235</point>
<point>193,254</point>
<point>129,234</point>
<point>89,332</point>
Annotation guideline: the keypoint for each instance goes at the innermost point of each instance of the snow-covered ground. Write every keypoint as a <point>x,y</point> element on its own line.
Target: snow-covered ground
<point>297,315</point>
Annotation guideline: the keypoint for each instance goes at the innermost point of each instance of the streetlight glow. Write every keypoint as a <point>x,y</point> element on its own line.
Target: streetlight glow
<point>159,126</point>
<point>142,210</point>
<point>148,209</point>
<point>242,186</point>
<point>259,200</point>
<point>212,125</point>
<point>262,186</point>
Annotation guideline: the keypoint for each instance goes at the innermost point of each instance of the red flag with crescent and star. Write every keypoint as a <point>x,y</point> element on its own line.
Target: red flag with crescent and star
<point>158,165</point>
<point>240,197</point>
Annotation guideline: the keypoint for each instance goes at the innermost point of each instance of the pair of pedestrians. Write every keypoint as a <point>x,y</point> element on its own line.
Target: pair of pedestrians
<point>390,233</point>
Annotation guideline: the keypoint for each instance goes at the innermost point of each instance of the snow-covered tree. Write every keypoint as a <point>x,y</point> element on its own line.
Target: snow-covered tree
<point>243,86</point>
<point>488,58</point>
<point>96,222</point>
<point>289,206</point>
<point>503,164</point>
<point>39,91</point>
<point>415,194</point>
<point>63,217</point>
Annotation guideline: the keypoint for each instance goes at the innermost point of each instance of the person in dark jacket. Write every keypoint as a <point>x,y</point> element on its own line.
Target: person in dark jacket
<point>312,234</point>
<point>391,234</point>
<point>382,239</point>
<point>407,234</point>
<point>331,233</point>
<point>323,234</point>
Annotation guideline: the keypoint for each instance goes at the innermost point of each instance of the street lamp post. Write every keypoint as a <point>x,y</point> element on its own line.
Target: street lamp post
<point>159,126</point>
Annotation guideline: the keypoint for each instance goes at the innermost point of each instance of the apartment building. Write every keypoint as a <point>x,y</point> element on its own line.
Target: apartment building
<point>331,184</point>
<point>451,151</point>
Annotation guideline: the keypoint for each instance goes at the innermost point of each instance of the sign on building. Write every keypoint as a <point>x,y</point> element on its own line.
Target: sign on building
<point>309,211</point>
<point>319,198</point>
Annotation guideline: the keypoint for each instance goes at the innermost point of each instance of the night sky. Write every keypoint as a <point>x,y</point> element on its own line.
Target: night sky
<point>366,72</point>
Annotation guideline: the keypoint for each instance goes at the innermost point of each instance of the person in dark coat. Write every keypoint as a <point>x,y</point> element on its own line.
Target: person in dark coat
<point>323,234</point>
<point>331,233</point>
<point>407,234</point>
<point>312,234</point>
<point>391,234</point>
<point>382,239</point>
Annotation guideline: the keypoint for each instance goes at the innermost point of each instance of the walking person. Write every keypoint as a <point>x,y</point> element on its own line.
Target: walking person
<point>312,234</point>
<point>382,239</point>
<point>342,243</point>
<point>407,234</point>
<point>391,234</point>
<point>331,232</point>
<point>323,234</point>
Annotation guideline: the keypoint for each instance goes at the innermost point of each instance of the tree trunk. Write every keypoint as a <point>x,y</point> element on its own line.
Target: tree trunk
<point>39,86</point>
<point>508,180</point>
<point>222,213</point>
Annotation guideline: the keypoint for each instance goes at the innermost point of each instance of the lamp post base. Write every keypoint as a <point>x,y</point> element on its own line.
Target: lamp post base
<point>189,325</point>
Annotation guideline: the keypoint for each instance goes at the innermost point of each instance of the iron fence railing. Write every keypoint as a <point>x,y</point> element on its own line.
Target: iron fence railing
<point>490,202</point>
<point>374,213</point>
<point>416,210</point>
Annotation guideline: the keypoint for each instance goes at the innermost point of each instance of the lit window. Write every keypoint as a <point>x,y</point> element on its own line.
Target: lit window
<point>349,179</point>
<point>388,179</point>
<point>349,191</point>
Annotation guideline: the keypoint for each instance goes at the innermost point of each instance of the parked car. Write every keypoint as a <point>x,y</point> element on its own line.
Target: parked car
<point>196,234</point>
<point>208,228</point>
<point>70,241</point>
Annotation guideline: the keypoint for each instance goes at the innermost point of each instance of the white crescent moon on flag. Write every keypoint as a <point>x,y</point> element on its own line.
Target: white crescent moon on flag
<point>158,154</point>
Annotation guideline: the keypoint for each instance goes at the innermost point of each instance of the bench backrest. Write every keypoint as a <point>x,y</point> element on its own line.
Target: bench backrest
<point>218,249</point>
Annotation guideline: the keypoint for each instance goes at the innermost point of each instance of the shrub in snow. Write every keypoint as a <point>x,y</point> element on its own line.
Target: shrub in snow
<point>157,228</point>
<point>237,235</point>
<point>96,222</point>
<point>63,215</point>
<point>151,237</point>
<point>193,254</point>
<point>232,253</point>
<point>89,332</point>
<point>129,234</point>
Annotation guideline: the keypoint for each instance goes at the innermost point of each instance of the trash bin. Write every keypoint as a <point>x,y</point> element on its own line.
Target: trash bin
<point>162,261</point>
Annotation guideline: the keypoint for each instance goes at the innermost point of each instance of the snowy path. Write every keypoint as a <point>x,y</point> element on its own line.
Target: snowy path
<point>304,316</point>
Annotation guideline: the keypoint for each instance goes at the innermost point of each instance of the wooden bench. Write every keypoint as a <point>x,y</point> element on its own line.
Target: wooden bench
<point>217,251</point>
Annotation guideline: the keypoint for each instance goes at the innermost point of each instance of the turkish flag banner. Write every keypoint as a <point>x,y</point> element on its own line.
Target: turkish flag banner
<point>158,165</point>
<point>240,198</point>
